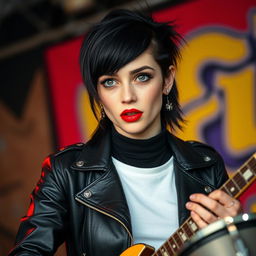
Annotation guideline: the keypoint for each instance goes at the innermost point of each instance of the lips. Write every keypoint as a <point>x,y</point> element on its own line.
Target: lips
<point>131,115</point>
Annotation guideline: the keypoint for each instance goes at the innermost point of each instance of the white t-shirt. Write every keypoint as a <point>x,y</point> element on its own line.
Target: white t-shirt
<point>152,200</point>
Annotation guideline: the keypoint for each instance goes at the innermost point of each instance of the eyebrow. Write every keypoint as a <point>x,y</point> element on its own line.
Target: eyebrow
<point>140,69</point>
<point>137,70</point>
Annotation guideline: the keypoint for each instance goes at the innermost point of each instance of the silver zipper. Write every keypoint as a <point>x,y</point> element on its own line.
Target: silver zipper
<point>113,217</point>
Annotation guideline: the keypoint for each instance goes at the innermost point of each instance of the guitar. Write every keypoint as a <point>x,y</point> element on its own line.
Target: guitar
<point>234,187</point>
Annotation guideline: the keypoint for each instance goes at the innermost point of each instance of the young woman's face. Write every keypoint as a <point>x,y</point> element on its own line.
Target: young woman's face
<point>132,97</point>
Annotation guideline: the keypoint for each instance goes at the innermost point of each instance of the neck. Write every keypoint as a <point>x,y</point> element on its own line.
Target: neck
<point>146,153</point>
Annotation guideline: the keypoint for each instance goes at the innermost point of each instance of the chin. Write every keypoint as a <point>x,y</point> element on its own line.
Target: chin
<point>136,132</point>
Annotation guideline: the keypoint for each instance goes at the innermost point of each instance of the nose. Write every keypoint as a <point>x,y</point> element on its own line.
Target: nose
<point>128,94</point>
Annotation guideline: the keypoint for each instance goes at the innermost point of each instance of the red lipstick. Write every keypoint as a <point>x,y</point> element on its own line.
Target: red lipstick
<point>131,115</point>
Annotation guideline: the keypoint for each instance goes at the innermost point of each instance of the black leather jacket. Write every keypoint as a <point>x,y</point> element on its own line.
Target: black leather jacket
<point>79,198</point>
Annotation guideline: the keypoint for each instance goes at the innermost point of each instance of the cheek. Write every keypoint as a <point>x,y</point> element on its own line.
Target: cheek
<point>108,104</point>
<point>104,99</point>
<point>154,96</point>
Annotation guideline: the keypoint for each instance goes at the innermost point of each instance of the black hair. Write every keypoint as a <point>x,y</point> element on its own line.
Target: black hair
<point>120,37</point>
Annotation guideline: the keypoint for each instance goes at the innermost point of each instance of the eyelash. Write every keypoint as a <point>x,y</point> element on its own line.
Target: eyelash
<point>149,77</point>
<point>104,82</point>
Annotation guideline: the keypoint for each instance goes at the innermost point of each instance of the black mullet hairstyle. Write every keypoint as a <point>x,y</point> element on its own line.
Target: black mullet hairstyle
<point>102,52</point>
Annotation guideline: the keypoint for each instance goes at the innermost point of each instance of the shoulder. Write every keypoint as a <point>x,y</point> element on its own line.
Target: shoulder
<point>204,149</point>
<point>194,152</point>
<point>200,160</point>
<point>56,166</point>
<point>64,156</point>
<point>216,173</point>
<point>70,149</point>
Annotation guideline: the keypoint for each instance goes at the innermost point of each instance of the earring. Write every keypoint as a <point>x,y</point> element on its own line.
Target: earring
<point>168,105</point>
<point>102,112</point>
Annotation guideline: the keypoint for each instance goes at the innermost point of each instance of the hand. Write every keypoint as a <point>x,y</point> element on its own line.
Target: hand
<point>207,209</point>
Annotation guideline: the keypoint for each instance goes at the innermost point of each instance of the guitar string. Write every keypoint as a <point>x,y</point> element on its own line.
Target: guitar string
<point>252,165</point>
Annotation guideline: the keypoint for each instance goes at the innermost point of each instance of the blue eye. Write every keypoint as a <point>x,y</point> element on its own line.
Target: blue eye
<point>144,77</point>
<point>109,82</point>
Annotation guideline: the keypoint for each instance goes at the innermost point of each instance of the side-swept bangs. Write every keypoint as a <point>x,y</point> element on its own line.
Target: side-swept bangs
<point>108,47</point>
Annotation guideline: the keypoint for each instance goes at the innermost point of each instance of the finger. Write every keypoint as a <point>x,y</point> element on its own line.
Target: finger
<point>211,204</point>
<point>205,215</point>
<point>231,205</point>
<point>222,197</point>
<point>196,218</point>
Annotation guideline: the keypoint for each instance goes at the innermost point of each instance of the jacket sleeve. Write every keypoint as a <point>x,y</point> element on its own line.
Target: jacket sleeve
<point>42,230</point>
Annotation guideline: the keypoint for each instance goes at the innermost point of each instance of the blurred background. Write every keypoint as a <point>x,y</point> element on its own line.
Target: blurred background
<point>44,106</point>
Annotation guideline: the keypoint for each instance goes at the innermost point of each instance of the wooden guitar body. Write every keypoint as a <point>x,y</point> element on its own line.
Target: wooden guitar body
<point>139,250</point>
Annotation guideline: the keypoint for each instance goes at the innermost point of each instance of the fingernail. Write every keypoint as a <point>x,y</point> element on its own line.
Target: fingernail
<point>188,205</point>
<point>192,197</point>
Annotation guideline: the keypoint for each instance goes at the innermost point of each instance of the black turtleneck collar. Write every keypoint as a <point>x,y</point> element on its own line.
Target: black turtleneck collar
<point>146,153</point>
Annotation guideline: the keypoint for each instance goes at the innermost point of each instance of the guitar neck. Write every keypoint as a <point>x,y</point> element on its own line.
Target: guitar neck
<point>235,186</point>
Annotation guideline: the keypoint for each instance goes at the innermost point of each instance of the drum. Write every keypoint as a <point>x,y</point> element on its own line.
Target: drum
<point>226,237</point>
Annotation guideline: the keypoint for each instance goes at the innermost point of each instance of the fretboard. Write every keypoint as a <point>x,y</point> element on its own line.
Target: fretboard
<point>235,186</point>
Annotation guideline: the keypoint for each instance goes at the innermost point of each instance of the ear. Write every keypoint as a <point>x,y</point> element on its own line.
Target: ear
<point>168,80</point>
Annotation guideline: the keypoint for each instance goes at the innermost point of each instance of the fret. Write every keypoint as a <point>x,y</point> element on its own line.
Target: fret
<point>187,230</point>
<point>252,165</point>
<point>192,225</point>
<point>173,244</point>
<point>239,180</point>
<point>158,253</point>
<point>183,235</point>
<point>232,188</point>
<point>169,248</point>
<point>178,239</point>
<point>247,173</point>
<point>225,189</point>
<point>164,252</point>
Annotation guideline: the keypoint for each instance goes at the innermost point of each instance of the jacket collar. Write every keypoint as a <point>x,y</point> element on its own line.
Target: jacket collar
<point>187,155</point>
<point>96,154</point>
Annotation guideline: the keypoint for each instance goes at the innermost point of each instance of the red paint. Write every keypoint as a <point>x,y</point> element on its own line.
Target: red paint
<point>196,14</point>
<point>24,218</point>
<point>65,78</point>
<point>29,231</point>
<point>131,115</point>
<point>31,206</point>
<point>47,162</point>
<point>36,189</point>
<point>31,209</point>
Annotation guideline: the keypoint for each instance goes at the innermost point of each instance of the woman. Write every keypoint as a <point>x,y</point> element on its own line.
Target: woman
<point>133,182</point>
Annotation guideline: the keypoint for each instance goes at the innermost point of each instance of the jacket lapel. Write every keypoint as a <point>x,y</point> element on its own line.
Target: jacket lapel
<point>105,193</point>
<point>186,160</point>
<point>107,196</point>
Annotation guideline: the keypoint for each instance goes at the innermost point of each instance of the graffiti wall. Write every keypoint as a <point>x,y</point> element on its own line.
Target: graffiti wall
<point>216,80</point>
